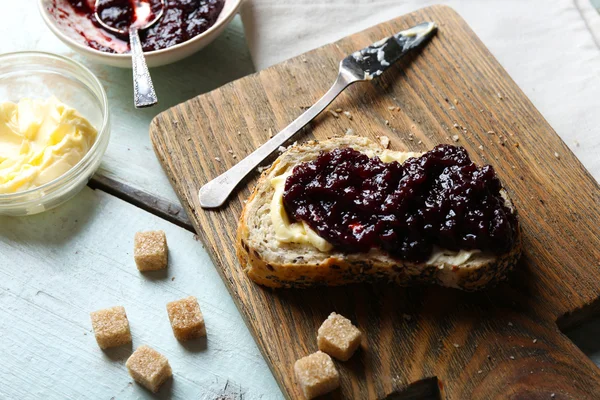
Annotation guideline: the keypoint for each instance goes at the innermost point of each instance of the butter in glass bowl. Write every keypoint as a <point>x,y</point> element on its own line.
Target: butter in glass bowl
<point>40,140</point>
<point>54,130</point>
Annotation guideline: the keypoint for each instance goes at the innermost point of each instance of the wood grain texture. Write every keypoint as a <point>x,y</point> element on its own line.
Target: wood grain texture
<point>502,343</point>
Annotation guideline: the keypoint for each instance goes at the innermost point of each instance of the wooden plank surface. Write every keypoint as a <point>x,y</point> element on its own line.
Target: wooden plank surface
<point>57,267</point>
<point>129,161</point>
<point>502,343</point>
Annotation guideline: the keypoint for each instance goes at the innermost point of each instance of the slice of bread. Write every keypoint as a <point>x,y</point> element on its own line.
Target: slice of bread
<point>270,262</point>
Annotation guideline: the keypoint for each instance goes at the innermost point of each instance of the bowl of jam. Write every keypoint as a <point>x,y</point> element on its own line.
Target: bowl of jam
<point>185,27</point>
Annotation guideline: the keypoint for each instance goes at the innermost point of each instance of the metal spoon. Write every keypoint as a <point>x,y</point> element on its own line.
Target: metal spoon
<point>143,89</point>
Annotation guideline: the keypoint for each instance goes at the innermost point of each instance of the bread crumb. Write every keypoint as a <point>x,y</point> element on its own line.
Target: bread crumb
<point>270,133</point>
<point>500,96</point>
<point>534,340</point>
<point>510,324</point>
<point>479,372</point>
<point>491,132</point>
<point>420,142</point>
<point>455,101</point>
<point>512,357</point>
<point>516,144</point>
<point>217,159</point>
<point>387,122</point>
<point>281,149</point>
<point>239,132</point>
<point>304,60</point>
<point>230,151</point>
<point>261,169</point>
<point>456,125</point>
<point>234,156</point>
<point>347,114</point>
<point>349,131</point>
<point>556,155</point>
<point>385,141</point>
<point>480,147</point>
<point>456,345</point>
<point>338,110</point>
<point>552,395</point>
<point>335,115</point>
<point>455,138</point>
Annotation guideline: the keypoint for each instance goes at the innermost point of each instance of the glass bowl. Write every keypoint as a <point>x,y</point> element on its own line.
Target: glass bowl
<point>42,75</point>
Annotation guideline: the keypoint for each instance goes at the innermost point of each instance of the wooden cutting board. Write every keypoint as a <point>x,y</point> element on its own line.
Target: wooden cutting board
<point>503,343</point>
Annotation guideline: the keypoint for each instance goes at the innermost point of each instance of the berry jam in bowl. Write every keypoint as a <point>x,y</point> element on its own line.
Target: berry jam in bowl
<point>185,27</point>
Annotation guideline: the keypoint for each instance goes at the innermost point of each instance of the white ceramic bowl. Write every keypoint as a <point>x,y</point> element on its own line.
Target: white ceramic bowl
<point>41,75</point>
<point>60,27</point>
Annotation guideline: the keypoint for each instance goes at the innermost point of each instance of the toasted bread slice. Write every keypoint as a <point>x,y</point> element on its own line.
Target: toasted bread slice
<point>272,263</point>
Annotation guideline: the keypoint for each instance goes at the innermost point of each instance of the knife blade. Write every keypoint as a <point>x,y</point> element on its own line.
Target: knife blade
<point>373,60</point>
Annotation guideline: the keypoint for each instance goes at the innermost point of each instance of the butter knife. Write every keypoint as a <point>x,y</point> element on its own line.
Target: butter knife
<point>362,65</point>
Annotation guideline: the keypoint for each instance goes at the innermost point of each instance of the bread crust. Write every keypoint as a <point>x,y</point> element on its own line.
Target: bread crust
<point>340,269</point>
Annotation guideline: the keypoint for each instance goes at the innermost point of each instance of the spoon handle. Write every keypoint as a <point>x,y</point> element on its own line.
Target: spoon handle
<point>143,89</point>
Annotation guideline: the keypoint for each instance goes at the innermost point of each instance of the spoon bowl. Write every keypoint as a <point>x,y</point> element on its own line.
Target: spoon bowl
<point>143,16</point>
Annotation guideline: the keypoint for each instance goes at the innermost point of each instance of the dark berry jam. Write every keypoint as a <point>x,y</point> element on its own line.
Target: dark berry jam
<point>181,20</point>
<point>117,13</point>
<point>439,199</point>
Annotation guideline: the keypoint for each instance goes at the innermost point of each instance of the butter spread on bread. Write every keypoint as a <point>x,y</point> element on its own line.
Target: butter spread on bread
<point>278,252</point>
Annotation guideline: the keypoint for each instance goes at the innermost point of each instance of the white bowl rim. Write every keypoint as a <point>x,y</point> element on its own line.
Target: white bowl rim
<point>102,131</point>
<point>124,56</point>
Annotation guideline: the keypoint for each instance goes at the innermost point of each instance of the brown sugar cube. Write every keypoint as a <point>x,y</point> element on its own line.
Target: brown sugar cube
<point>186,318</point>
<point>149,368</point>
<point>150,250</point>
<point>338,337</point>
<point>111,327</point>
<point>316,375</point>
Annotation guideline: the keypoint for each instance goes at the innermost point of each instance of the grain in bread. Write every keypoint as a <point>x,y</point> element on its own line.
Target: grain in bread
<point>276,264</point>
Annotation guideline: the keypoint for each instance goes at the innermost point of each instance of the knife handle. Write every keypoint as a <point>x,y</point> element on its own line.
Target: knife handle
<point>214,193</point>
